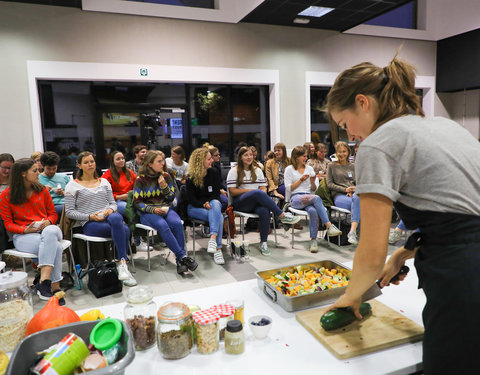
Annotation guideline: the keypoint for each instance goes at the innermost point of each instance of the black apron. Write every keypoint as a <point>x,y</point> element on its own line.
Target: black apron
<point>448,268</point>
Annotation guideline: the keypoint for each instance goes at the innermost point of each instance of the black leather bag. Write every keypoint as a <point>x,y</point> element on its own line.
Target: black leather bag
<point>103,278</point>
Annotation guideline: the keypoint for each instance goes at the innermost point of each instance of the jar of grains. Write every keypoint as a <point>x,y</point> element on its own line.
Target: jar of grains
<point>226,314</point>
<point>206,324</point>
<point>16,309</point>
<point>140,316</point>
<point>174,331</point>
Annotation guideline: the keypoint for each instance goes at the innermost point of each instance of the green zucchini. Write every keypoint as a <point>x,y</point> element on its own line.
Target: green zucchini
<point>342,317</point>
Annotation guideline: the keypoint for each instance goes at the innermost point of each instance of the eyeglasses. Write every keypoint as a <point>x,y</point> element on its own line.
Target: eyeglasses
<point>216,154</point>
<point>5,168</point>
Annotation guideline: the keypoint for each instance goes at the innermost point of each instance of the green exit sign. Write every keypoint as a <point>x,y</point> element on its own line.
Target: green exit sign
<point>143,72</point>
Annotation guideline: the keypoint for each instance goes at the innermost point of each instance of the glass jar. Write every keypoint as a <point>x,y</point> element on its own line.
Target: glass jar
<point>234,337</point>
<point>174,331</point>
<point>238,304</point>
<point>206,324</point>
<point>16,309</point>
<point>226,312</point>
<point>139,314</point>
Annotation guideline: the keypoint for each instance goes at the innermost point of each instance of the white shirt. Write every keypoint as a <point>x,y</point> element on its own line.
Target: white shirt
<point>180,170</point>
<point>247,181</point>
<point>292,175</point>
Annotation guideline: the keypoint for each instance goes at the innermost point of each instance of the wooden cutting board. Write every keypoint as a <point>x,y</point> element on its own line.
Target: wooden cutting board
<point>384,328</point>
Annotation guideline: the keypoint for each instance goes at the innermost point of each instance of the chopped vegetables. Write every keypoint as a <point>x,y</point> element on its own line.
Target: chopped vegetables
<point>302,280</point>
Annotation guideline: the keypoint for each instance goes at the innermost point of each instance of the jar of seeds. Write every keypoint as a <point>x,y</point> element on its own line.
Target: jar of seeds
<point>206,324</point>
<point>174,331</point>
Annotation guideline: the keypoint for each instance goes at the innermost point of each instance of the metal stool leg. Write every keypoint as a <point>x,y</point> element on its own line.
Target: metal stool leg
<point>75,274</point>
<point>88,253</point>
<point>193,235</point>
<point>24,265</point>
<point>131,258</point>
<point>275,231</point>
<point>242,227</point>
<point>293,238</point>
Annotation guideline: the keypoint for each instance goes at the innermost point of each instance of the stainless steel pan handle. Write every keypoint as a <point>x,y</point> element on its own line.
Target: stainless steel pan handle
<point>271,293</point>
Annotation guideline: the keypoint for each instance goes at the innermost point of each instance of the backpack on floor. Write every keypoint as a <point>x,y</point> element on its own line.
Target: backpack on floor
<point>103,278</point>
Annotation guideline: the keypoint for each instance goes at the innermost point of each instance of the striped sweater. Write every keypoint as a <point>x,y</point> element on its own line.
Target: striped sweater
<point>81,202</point>
<point>148,195</point>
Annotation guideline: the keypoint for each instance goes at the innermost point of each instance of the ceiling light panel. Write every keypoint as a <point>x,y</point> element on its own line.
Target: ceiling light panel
<point>314,11</point>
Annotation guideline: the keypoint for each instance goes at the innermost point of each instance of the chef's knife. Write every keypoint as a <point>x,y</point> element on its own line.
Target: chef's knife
<point>376,290</point>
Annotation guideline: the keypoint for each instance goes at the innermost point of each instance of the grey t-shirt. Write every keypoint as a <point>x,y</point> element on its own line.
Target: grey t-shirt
<point>430,164</point>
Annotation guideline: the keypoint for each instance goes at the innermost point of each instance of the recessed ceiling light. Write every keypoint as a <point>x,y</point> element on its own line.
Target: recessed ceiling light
<point>314,11</point>
<point>301,20</point>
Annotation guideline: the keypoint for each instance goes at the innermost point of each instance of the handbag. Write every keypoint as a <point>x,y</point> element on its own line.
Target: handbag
<point>230,222</point>
<point>103,278</point>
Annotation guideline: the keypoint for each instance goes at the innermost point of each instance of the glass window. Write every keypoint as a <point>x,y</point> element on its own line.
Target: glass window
<point>404,17</point>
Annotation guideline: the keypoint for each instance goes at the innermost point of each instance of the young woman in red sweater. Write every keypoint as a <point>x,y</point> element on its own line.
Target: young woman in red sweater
<point>28,212</point>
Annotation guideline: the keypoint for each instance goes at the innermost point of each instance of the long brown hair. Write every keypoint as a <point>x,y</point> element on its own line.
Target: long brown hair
<point>80,157</point>
<point>113,168</point>
<point>285,159</point>
<point>296,152</point>
<point>392,87</point>
<point>241,167</point>
<point>150,156</point>
<point>345,145</point>
<point>18,193</point>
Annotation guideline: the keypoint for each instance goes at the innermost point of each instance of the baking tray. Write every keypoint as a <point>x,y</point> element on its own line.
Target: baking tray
<point>296,303</point>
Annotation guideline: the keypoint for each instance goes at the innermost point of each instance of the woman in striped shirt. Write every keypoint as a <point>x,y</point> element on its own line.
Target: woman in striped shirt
<point>247,189</point>
<point>89,200</point>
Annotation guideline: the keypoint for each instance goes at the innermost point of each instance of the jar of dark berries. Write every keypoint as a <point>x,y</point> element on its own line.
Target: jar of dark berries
<point>139,314</point>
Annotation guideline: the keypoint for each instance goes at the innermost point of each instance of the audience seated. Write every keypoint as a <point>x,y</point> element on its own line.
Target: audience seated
<point>89,201</point>
<point>53,181</point>
<point>27,210</point>
<point>6,162</point>
<point>135,164</point>
<point>274,171</point>
<point>203,192</point>
<point>268,155</point>
<point>319,162</point>
<point>218,166</point>
<point>36,157</point>
<point>176,162</point>
<point>248,193</point>
<point>310,147</point>
<point>341,183</point>
<point>300,183</point>
<point>257,163</point>
<point>154,193</point>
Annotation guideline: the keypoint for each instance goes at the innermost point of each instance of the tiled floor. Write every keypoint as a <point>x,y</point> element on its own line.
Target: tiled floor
<point>163,279</point>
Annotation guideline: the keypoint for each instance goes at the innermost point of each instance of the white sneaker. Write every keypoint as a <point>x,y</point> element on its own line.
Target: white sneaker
<point>333,231</point>
<point>130,281</point>
<point>289,218</point>
<point>143,246</point>
<point>313,246</point>
<point>212,246</point>
<point>123,272</point>
<point>218,257</point>
<point>352,238</point>
<point>394,236</point>
<point>264,249</point>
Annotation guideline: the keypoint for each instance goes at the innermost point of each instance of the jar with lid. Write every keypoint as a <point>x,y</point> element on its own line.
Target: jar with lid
<point>174,331</point>
<point>238,304</point>
<point>226,312</point>
<point>139,315</point>
<point>206,324</point>
<point>16,309</point>
<point>234,337</point>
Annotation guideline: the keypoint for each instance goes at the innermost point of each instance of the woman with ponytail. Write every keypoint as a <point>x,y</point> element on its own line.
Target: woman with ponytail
<point>440,196</point>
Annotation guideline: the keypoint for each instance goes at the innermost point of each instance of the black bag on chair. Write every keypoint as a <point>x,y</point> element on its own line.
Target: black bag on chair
<point>103,278</point>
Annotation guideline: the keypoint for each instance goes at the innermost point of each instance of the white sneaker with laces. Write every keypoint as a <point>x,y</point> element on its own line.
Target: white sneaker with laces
<point>123,272</point>
<point>143,246</point>
<point>352,238</point>
<point>264,249</point>
<point>130,281</point>
<point>218,257</point>
<point>394,236</point>
<point>313,246</point>
<point>289,218</point>
<point>333,231</point>
<point>212,246</point>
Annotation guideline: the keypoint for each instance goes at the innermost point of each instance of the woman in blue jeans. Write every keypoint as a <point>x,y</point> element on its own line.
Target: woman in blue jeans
<point>300,185</point>
<point>203,191</point>
<point>153,196</point>
<point>341,183</point>
<point>89,200</point>
<point>248,192</point>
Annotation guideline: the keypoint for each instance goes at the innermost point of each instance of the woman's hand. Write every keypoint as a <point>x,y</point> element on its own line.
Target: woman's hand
<point>161,181</point>
<point>304,177</point>
<point>207,205</point>
<point>159,211</point>
<point>345,301</point>
<point>31,228</point>
<point>43,225</point>
<point>122,197</point>
<point>97,217</point>
<point>278,195</point>
<point>107,212</point>
<point>393,265</point>
<point>321,175</point>
<point>223,192</point>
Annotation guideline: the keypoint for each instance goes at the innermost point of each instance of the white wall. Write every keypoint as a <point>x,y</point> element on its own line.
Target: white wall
<point>44,33</point>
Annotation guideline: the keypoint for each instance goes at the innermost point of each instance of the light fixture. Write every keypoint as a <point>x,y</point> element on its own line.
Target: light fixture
<point>314,11</point>
<point>303,21</point>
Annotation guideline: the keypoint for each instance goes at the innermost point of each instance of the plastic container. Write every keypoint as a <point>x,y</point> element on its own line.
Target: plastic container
<point>234,337</point>
<point>24,355</point>
<point>140,315</point>
<point>206,324</point>
<point>174,330</point>
<point>16,309</point>
<point>226,312</point>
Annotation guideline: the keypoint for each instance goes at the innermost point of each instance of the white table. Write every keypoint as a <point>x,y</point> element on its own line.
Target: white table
<point>289,346</point>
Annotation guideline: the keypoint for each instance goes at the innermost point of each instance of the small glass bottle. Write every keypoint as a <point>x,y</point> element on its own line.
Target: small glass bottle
<point>234,337</point>
<point>226,312</point>
<point>206,324</point>
<point>140,316</point>
<point>175,330</point>
<point>239,306</point>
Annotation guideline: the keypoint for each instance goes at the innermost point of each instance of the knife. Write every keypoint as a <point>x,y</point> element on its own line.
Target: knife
<point>376,290</point>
